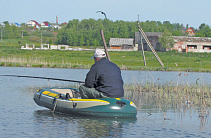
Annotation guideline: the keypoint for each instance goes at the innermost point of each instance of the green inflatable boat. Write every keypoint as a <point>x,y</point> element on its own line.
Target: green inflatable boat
<point>67,100</point>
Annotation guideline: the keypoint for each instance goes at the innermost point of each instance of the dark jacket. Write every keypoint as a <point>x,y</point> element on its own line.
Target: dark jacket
<point>105,77</point>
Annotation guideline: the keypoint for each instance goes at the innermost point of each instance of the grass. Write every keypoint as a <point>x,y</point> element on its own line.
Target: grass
<point>12,55</point>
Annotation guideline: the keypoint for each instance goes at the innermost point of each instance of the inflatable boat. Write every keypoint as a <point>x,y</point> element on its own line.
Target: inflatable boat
<point>68,100</point>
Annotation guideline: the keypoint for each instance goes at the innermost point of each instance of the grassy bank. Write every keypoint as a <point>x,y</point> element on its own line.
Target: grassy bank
<point>12,55</point>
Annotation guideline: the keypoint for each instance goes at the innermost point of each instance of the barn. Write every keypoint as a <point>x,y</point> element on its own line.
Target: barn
<point>121,43</point>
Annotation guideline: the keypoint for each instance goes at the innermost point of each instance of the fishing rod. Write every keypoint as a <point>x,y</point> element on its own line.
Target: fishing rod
<point>42,78</point>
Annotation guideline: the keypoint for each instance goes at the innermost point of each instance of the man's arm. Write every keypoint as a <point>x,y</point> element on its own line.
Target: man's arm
<point>91,78</point>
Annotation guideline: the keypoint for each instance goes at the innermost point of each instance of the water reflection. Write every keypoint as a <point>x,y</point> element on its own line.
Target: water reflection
<point>152,103</point>
<point>82,126</point>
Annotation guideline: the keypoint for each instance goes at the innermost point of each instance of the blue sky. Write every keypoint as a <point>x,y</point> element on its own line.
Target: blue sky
<point>191,12</point>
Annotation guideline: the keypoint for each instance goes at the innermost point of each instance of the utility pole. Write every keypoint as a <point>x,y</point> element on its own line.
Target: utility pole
<point>22,33</point>
<point>41,39</point>
<point>1,35</point>
<point>149,44</point>
<point>105,46</point>
<point>142,47</point>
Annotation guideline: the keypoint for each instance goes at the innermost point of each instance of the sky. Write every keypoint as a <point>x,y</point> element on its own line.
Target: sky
<point>191,12</point>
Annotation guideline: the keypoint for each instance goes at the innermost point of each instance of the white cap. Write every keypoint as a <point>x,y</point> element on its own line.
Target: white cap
<point>99,54</point>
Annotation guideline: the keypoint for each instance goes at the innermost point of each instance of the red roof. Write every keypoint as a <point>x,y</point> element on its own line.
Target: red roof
<point>46,24</point>
<point>64,23</point>
<point>35,22</point>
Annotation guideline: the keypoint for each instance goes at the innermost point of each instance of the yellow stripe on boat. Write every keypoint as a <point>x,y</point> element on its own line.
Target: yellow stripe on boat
<point>50,94</point>
<point>74,99</point>
<point>45,92</point>
<point>88,100</point>
<point>118,99</point>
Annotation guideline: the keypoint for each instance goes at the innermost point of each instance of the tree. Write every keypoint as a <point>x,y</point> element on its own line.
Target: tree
<point>123,29</point>
<point>23,24</point>
<point>178,33</point>
<point>166,40</point>
<point>6,22</point>
<point>87,31</point>
<point>168,25</point>
<point>50,41</point>
<point>202,26</point>
<point>186,26</point>
<point>204,31</point>
<point>81,40</point>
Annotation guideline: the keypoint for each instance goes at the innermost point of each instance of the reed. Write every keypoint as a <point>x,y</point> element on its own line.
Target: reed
<point>196,96</point>
<point>40,62</point>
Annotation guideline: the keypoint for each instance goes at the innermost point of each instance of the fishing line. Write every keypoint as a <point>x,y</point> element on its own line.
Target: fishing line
<point>42,78</point>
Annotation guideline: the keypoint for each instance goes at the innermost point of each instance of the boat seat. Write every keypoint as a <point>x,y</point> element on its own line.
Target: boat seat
<point>64,91</point>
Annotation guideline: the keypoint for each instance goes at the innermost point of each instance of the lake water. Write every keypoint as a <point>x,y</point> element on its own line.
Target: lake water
<point>21,117</point>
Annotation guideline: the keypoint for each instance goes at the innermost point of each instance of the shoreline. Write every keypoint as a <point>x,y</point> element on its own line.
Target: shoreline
<point>167,69</point>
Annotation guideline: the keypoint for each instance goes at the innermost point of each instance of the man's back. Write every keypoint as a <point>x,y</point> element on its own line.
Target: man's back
<point>105,77</point>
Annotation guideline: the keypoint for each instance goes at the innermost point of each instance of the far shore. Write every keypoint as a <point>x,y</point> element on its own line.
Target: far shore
<point>11,55</point>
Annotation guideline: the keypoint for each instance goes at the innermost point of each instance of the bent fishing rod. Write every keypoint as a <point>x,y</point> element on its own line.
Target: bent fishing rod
<point>42,78</point>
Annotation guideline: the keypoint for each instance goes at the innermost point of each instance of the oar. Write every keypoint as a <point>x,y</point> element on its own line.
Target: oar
<point>43,78</point>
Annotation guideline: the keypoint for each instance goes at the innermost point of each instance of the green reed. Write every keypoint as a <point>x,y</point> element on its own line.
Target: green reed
<point>197,96</point>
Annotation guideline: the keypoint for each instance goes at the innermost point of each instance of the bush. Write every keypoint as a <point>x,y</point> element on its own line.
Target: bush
<point>2,64</point>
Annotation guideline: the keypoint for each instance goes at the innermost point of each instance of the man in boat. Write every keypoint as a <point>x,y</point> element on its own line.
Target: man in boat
<point>104,79</point>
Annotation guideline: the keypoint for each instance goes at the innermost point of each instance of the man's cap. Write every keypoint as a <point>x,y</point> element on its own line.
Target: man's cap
<point>99,54</point>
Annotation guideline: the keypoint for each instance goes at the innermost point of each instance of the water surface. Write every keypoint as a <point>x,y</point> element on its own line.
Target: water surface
<point>21,117</point>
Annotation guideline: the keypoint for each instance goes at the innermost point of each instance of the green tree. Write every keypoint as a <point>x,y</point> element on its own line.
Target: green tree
<point>204,31</point>
<point>187,27</point>
<point>6,22</point>
<point>202,26</point>
<point>178,33</point>
<point>166,40</point>
<point>81,40</point>
<point>50,41</point>
<point>62,36</point>
<point>87,32</point>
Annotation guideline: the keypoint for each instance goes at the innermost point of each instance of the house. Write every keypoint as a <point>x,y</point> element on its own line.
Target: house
<point>33,23</point>
<point>2,25</point>
<point>63,24</point>
<point>121,43</point>
<point>45,24</point>
<point>153,38</point>
<point>55,25</point>
<point>16,24</point>
<point>190,31</point>
<point>192,44</point>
